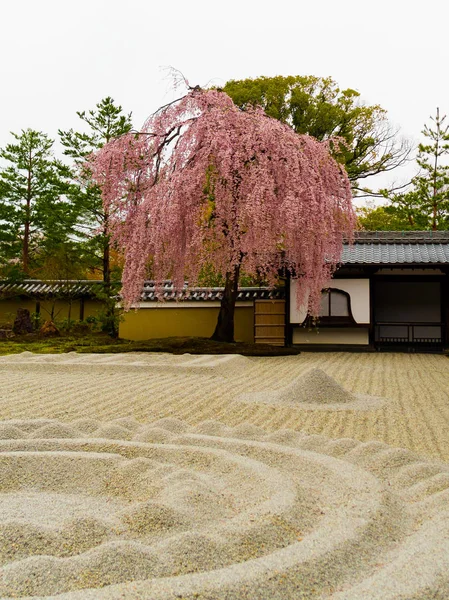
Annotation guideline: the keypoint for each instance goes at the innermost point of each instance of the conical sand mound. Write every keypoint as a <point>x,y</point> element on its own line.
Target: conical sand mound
<point>314,390</point>
<point>316,386</point>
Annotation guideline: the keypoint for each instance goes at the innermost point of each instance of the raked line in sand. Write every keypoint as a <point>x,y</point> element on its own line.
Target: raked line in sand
<point>120,510</point>
<point>413,414</point>
<point>314,390</point>
<point>94,507</point>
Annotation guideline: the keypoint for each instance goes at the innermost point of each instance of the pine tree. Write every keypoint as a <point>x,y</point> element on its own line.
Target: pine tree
<point>34,209</point>
<point>105,123</point>
<point>426,205</point>
<point>432,187</point>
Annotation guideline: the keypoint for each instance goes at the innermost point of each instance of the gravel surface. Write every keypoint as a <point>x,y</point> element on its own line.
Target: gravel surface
<point>314,390</point>
<point>414,413</point>
<point>147,490</point>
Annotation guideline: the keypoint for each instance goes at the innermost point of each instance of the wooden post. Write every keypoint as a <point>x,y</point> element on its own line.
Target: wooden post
<point>288,325</point>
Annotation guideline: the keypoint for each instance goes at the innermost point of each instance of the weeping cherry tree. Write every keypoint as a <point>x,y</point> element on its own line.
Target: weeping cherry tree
<point>207,183</point>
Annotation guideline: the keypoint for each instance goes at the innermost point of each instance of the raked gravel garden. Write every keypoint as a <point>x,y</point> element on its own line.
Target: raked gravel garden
<point>156,476</point>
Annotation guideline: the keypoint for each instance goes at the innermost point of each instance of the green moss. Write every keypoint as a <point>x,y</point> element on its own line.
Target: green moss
<point>101,343</point>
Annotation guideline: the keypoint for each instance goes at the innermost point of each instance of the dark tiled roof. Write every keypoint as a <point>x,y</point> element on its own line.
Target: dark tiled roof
<point>398,247</point>
<point>37,288</point>
<point>202,294</point>
<point>88,289</point>
<point>369,248</point>
<point>399,237</point>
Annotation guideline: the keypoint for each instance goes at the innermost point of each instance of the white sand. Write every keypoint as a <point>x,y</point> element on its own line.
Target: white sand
<point>105,504</point>
<point>314,390</point>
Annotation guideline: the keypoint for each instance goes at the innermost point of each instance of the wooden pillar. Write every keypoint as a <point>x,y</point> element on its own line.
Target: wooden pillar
<point>288,325</point>
<point>37,313</point>
<point>445,309</point>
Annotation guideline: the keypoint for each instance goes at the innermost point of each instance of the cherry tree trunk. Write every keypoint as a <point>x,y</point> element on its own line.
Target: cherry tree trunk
<point>224,330</point>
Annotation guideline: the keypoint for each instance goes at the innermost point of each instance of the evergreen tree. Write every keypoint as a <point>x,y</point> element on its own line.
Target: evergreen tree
<point>105,123</point>
<point>386,218</point>
<point>34,209</point>
<point>426,205</point>
<point>318,107</point>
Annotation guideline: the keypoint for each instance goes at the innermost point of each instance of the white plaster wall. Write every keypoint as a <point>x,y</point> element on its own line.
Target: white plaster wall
<point>297,314</point>
<point>358,290</point>
<point>341,335</point>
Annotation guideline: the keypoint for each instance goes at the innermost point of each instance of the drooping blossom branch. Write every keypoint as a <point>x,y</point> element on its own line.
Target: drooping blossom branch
<point>207,183</point>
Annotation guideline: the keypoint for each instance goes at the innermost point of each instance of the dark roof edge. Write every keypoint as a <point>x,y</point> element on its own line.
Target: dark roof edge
<point>401,237</point>
<point>86,288</point>
<point>392,265</point>
<point>150,291</point>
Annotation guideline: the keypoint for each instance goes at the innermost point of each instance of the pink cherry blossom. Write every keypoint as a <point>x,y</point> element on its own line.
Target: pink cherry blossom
<point>207,183</point>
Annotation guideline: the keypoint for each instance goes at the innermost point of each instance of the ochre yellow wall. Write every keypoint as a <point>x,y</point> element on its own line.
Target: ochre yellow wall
<point>60,310</point>
<point>8,309</point>
<point>91,308</point>
<point>147,323</point>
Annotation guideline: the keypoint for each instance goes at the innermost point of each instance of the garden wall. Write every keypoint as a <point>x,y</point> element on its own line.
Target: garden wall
<point>78,309</point>
<point>186,319</point>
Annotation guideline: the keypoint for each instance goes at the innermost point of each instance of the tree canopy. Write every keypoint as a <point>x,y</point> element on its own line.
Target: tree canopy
<point>425,204</point>
<point>36,216</point>
<point>385,218</point>
<point>104,123</point>
<point>207,182</point>
<point>364,141</point>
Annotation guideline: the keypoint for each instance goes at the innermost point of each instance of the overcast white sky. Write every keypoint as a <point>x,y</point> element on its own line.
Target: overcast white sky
<point>60,56</point>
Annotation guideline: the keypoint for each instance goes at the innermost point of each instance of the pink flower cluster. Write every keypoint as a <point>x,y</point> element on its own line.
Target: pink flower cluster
<point>207,183</point>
